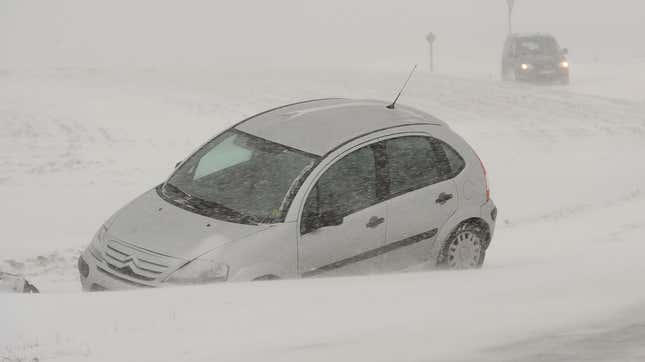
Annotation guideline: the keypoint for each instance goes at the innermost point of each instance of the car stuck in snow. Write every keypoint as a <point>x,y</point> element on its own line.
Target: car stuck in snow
<point>322,187</point>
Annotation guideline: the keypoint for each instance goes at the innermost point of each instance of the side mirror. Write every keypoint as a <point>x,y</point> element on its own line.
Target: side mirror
<point>177,165</point>
<point>565,51</point>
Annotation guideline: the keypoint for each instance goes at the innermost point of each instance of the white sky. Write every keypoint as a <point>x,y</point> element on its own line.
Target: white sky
<point>278,33</point>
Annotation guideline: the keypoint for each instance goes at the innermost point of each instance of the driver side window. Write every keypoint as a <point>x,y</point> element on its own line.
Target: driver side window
<point>346,187</point>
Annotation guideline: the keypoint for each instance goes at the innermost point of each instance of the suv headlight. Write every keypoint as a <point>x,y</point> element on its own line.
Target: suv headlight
<point>199,272</point>
<point>96,247</point>
<point>526,66</point>
<point>564,64</point>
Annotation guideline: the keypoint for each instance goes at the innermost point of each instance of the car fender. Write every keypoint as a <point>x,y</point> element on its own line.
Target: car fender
<point>254,272</point>
<point>270,252</point>
<point>464,212</point>
<point>471,196</point>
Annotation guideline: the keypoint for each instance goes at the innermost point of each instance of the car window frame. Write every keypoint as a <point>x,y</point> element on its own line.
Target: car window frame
<point>287,200</point>
<point>379,197</point>
<point>415,187</point>
<point>431,142</point>
<point>453,174</point>
<point>326,162</point>
<point>382,184</point>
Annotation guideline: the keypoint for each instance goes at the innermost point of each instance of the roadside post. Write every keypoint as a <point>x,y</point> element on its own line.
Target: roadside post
<point>511,6</point>
<point>430,38</point>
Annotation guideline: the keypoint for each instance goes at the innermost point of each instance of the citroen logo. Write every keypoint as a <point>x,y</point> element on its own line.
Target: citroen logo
<point>131,261</point>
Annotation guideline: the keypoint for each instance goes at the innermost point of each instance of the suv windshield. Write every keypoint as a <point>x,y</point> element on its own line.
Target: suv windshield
<point>240,178</point>
<point>537,46</point>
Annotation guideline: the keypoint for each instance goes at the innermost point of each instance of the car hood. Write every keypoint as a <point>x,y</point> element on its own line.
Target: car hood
<point>541,59</point>
<point>153,224</point>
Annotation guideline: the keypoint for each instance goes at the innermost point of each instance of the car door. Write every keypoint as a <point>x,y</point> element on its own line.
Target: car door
<point>342,225</point>
<point>422,197</point>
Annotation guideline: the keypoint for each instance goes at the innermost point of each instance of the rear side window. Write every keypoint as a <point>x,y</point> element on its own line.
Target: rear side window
<point>415,162</point>
<point>455,163</point>
<point>411,163</point>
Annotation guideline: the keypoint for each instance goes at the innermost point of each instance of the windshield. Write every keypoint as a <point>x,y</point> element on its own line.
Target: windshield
<point>240,178</point>
<point>537,46</point>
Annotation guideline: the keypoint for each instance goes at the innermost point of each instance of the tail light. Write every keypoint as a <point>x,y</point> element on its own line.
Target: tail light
<point>485,178</point>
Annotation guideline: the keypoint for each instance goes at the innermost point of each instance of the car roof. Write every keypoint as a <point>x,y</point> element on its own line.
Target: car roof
<point>530,35</point>
<point>320,126</point>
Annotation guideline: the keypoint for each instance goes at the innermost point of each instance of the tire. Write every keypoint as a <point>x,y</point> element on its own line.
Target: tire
<point>465,248</point>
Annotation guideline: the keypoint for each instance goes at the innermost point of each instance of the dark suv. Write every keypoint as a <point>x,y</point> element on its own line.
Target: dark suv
<point>534,58</point>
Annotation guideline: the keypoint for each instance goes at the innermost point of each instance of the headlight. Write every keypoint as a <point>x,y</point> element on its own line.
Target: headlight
<point>564,64</point>
<point>526,66</point>
<point>199,272</point>
<point>96,247</point>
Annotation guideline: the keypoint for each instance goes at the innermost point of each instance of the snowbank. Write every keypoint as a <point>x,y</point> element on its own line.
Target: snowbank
<point>565,171</point>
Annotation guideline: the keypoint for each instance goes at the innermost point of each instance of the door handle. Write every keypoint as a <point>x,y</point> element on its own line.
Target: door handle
<point>443,198</point>
<point>374,222</point>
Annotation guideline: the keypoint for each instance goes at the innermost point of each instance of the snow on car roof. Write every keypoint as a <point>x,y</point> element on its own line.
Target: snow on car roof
<point>531,35</point>
<point>319,126</point>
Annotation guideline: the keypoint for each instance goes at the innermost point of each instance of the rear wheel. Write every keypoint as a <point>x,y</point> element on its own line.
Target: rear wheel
<point>465,248</point>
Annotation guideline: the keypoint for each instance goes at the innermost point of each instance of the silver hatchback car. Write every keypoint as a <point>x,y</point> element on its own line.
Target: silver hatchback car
<point>317,188</point>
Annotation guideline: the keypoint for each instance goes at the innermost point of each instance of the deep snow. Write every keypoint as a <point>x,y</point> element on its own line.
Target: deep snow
<point>563,276</point>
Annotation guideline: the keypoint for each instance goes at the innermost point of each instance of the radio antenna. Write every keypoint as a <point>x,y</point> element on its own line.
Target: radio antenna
<point>393,105</point>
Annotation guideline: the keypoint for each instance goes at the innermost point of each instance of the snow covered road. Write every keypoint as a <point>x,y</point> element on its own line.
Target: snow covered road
<point>564,273</point>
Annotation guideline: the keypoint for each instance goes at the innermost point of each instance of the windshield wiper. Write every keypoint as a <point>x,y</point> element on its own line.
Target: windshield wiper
<point>175,189</point>
<point>209,208</point>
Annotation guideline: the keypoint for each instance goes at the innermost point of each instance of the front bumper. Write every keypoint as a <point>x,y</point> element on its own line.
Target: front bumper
<point>100,277</point>
<point>543,74</point>
<point>489,214</point>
